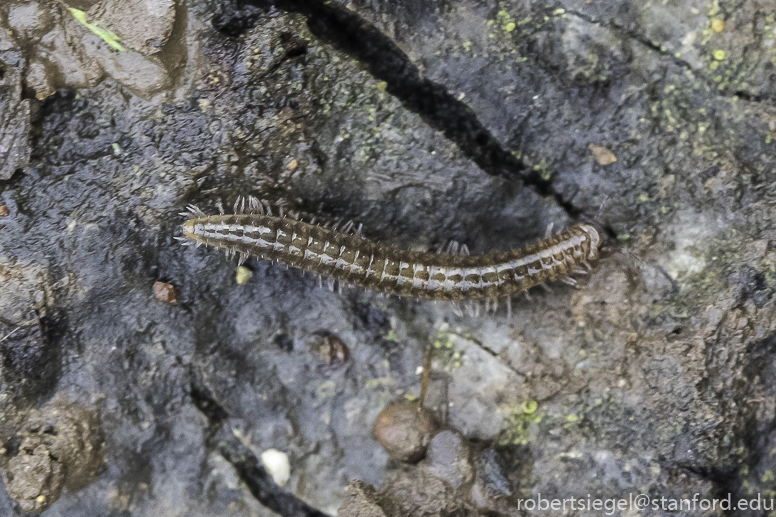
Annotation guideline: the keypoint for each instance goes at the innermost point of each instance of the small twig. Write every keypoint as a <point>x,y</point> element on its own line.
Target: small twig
<point>10,334</point>
<point>426,376</point>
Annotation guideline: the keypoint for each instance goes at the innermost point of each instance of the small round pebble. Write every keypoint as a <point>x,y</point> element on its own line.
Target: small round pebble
<point>404,430</point>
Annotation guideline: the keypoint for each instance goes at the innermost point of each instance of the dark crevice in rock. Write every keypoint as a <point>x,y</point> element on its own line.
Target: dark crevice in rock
<point>725,480</point>
<point>749,97</point>
<point>755,433</point>
<point>261,484</point>
<point>215,414</point>
<point>245,463</point>
<point>438,107</point>
<point>496,355</point>
<point>31,356</point>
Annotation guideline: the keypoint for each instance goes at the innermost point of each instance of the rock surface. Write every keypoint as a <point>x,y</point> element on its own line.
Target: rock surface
<point>14,110</point>
<point>426,121</point>
<point>143,25</point>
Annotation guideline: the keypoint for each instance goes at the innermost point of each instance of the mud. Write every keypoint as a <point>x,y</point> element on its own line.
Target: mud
<point>60,446</point>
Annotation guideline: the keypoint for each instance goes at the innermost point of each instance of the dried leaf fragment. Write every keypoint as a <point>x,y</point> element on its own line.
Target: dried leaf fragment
<point>602,155</point>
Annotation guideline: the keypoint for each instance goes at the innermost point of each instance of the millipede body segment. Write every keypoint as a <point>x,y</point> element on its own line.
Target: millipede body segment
<point>351,259</point>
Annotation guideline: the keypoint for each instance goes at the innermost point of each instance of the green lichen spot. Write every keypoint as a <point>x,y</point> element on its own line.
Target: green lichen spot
<point>544,169</point>
<point>515,429</point>
<point>505,21</point>
<point>719,54</point>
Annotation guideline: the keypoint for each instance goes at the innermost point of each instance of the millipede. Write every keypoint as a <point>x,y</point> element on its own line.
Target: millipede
<point>347,257</point>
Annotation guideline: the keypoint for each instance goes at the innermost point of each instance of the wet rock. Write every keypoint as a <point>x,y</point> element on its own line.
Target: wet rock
<point>277,42</point>
<point>143,26</point>
<point>63,52</point>
<point>404,430</point>
<point>55,56</point>
<point>480,379</point>
<point>61,446</point>
<point>14,111</point>
<point>30,362</point>
<point>29,358</point>
<point>491,487</point>
<point>448,458</point>
<point>644,373</point>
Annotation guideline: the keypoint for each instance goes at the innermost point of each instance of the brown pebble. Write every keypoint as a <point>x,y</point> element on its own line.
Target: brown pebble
<point>602,155</point>
<point>404,430</point>
<point>165,293</point>
<point>4,212</point>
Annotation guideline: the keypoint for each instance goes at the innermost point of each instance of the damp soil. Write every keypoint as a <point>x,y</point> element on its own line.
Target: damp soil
<point>426,122</point>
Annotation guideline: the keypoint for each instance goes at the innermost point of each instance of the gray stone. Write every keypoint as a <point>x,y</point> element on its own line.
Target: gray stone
<point>448,458</point>
<point>14,111</point>
<point>142,25</point>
